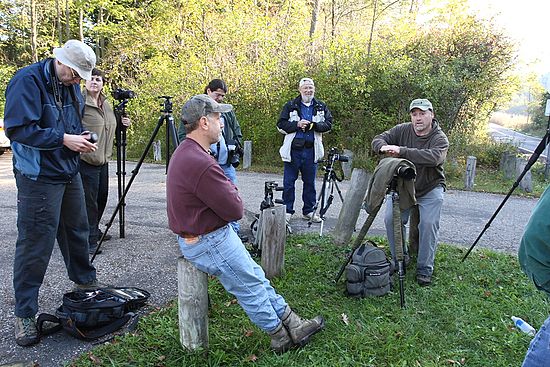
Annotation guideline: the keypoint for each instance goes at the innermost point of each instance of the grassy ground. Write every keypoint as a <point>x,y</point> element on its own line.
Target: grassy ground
<point>463,319</point>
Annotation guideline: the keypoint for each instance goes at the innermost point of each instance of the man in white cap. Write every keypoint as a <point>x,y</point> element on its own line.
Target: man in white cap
<point>42,118</point>
<point>303,120</point>
<point>422,142</point>
<point>201,202</point>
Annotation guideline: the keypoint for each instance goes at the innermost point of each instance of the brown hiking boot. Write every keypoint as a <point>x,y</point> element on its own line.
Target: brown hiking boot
<point>26,333</point>
<point>280,340</point>
<point>301,330</point>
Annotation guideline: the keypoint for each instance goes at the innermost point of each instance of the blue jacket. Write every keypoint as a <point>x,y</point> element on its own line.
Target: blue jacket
<point>35,123</point>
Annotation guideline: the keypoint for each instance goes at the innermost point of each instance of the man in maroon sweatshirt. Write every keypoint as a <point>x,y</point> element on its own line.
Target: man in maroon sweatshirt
<point>201,202</point>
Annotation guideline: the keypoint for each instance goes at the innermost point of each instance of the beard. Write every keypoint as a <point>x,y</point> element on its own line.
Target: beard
<point>307,99</point>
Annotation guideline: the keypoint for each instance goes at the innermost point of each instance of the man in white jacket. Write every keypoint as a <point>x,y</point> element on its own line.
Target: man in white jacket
<point>302,121</point>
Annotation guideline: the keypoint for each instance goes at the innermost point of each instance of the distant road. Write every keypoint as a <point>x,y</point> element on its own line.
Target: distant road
<point>525,143</point>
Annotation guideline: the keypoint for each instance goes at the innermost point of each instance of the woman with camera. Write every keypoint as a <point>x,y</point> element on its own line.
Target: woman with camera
<point>100,118</point>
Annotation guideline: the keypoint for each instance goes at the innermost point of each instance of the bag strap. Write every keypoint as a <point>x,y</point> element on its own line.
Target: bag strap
<point>46,317</point>
<point>92,334</point>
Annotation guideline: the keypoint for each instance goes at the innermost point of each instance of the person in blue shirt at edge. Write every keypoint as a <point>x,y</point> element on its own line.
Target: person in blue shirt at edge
<point>302,121</point>
<point>228,150</point>
<point>534,259</point>
<point>42,118</point>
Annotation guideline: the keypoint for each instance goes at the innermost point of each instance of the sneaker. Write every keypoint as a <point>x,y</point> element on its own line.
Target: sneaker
<point>423,280</point>
<point>313,218</point>
<point>26,333</point>
<point>89,287</point>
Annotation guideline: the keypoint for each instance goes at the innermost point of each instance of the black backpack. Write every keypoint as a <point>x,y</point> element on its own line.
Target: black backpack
<point>94,314</point>
<point>368,273</point>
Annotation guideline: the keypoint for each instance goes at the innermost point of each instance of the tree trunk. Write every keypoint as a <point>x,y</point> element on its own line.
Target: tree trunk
<point>58,19</point>
<point>314,16</point>
<point>80,23</point>
<point>67,21</point>
<point>375,5</point>
<point>34,52</point>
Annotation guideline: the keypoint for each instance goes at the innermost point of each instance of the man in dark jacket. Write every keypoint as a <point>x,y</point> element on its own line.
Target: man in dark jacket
<point>302,121</point>
<point>42,119</point>
<point>422,142</point>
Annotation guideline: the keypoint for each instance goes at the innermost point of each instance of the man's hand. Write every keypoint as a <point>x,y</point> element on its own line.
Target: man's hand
<point>79,143</point>
<point>303,124</point>
<point>391,150</point>
<point>126,121</point>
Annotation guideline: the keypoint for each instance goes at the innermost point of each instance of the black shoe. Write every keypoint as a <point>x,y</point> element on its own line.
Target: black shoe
<point>423,280</point>
<point>92,250</point>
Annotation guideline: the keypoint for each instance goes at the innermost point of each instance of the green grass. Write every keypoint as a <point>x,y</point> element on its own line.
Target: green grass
<point>463,319</point>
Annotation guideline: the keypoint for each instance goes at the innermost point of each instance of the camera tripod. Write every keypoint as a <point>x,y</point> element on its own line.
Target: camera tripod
<point>404,173</point>
<point>120,143</point>
<point>326,196</point>
<point>171,133</point>
<point>268,202</point>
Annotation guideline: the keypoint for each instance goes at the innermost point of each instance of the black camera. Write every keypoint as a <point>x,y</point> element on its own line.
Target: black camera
<point>120,94</point>
<point>333,155</point>
<point>269,187</point>
<point>235,153</point>
<point>407,173</point>
<point>93,136</point>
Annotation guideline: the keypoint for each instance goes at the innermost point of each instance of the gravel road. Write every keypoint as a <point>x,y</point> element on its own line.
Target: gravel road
<point>146,257</point>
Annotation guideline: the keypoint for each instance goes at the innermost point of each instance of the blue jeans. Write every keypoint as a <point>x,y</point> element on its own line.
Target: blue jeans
<point>222,254</point>
<point>95,181</point>
<point>538,354</point>
<point>429,207</point>
<point>231,174</point>
<point>43,211</point>
<point>303,162</point>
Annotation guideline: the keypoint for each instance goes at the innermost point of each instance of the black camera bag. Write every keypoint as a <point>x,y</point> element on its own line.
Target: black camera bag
<point>94,314</point>
<point>368,273</point>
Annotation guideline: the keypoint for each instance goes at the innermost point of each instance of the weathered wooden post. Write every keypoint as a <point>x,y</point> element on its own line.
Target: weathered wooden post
<point>351,206</point>
<point>247,155</point>
<point>508,165</point>
<point>526,183</point>
<point>347,166</point>
<point>470,173</point>
<point>272,240</point>
<point>192,306</point>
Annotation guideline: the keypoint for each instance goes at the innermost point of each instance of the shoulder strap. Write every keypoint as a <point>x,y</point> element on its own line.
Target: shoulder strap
<point>90,334</point>
<point>46,317</point>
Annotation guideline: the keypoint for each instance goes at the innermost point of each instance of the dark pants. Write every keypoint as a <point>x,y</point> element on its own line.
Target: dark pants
<point>44,211</point>
<point>95,180</point>
<point>302,162</point>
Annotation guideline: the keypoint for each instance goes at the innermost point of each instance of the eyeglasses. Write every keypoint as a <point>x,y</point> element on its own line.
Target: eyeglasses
<point>74,74</point>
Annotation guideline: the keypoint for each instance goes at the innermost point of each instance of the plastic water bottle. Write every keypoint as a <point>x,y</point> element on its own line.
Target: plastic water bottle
<point>523,326</point>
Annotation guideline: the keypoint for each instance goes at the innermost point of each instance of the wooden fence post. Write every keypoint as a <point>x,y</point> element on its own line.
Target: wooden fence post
<point>347,166</point>
<point>247,155</point>
<point>351,207</point>
<point>192,306</point>
<point>272,240</point>
<point>470,173</point>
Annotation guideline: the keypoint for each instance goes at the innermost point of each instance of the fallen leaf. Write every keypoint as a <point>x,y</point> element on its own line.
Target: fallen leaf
<point>94,359</point>
<point>345,318</point>
<point>161,358</point>
<point>249,333</point>
<point>252,358</point>
<point>487,293</point>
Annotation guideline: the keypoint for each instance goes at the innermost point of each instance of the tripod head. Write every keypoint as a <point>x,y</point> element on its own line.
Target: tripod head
<point>166,104</point>
<point>269,187</point>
